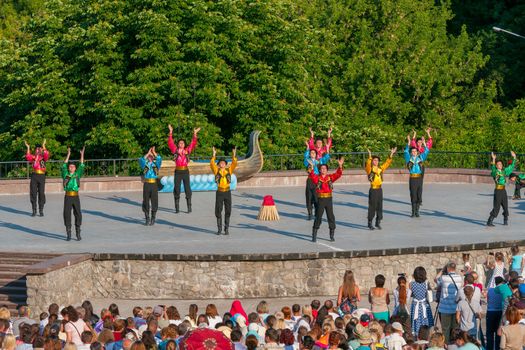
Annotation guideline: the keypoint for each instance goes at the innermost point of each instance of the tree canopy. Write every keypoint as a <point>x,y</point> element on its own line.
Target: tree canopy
<point>113,73</point>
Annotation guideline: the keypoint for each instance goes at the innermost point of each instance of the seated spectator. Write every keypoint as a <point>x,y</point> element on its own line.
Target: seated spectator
<point>87,338</point>
<point>436,342</point>
<point>396,340</point>
<point>9,342</point>
<point>251,342</point>
<point>271,340</point>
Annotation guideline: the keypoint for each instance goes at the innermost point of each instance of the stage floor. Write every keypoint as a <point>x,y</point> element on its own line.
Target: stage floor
<point>113,223</point>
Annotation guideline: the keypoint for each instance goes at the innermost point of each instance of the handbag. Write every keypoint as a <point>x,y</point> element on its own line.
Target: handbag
<point>430,294</point>
<point>347,307</point>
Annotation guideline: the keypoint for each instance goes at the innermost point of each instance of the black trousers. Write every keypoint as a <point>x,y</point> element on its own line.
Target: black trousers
<point>182,176</point>
<point>311,196</point>
<point>493,321</point>
<point>500,200</point>
<point>322,205</point>
<point>223,199</point>
<point>72,203</point>
<point>150,193</point>
<point>37,190</point>
<point>416,189</point>
<point>375,204</point>
<point>517,189</point>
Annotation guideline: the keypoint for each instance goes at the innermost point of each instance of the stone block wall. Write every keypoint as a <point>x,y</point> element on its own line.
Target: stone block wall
<point>216,277</point>
<point>68,285</point>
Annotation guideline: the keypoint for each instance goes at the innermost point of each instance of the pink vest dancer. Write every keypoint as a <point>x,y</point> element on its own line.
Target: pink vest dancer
<point>38,160</point>
<point>421,149</point>
<point>320,151</point>
<point>181,155</point>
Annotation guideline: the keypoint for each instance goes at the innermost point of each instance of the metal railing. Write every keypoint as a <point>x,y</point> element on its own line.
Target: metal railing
<point>272,162</point>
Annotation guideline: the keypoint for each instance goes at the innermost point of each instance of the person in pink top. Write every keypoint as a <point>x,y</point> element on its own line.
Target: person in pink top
<point>418,142</point>
<point>318,146</point>
<point>181,158</point>
<point>38,176</point>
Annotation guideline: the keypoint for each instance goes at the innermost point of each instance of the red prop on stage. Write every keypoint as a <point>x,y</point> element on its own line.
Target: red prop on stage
<point>268,211</point>
<point>206,339</point>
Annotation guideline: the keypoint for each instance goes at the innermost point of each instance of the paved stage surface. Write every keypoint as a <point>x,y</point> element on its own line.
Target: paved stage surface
<point>113,222</point>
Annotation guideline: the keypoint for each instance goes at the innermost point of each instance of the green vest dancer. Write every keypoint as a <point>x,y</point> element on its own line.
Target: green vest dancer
<point>499,174</point>
<point>71,176</point>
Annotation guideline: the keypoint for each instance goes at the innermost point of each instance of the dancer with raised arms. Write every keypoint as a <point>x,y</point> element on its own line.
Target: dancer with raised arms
<point>414,162</point>
<point>499,174</point>
<point>181,154</point>
<point>37,186</point>
<point>324,188</point>
<point>71,179</point>
<point>223,197</point>
<point>150,165</point>
<point>311,162</point>
<point>374,171</point>
<point>318,146</point>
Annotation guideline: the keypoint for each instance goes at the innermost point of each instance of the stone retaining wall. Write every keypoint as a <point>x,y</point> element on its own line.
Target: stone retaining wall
<point>240,276</point>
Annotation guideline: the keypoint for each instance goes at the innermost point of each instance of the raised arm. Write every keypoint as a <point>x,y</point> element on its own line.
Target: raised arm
<point>329,140</point>
<point>29,156</point>
<point>213,165</point>
<point>171,144</point>
<point>82,154</point>
<point>80,169</point>
<point>157,157</point>
<point>193,143</point>
<point>424,155</point>
<point>335,176</point>
<point>45,154</point>
<point>234,160</point>
<point>429,140</point>
<point>493,164</point>
<point>388,161</point>
<point>509,169</point>
<point>407,150</point>
<point>412,141</point>
<point>68,155</point>
<point>368,164</point>
<point>311,144</point>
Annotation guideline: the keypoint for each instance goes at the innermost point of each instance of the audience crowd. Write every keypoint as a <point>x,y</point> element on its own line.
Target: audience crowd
<point>412,316</point>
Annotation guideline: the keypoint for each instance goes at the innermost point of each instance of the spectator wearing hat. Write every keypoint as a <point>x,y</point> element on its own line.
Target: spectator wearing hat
<point>396,340</point>
<point>365,340</point>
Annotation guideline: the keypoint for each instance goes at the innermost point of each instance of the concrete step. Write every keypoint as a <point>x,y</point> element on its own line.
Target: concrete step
<point>16,298</point>
<point>13,275</point>
<point>13,282</point>
<point>13,268</point>
<point>12,290</point>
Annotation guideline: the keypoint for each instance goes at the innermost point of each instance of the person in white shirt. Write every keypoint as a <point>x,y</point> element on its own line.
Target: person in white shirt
<point>395,340</point>
<point>213,316</point>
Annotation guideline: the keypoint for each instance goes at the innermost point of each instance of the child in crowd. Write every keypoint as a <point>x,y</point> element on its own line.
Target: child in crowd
<point>515,259</point>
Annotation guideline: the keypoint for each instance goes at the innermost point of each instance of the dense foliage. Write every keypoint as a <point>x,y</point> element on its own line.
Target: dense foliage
<point>113,73</point>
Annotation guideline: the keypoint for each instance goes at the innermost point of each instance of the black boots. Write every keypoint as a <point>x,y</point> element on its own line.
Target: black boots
<point>147,223</point>
<point>176,205</point>
<point>309,214</point>
<point>68,232</point>
<point>188,202</point>
<point>152,220</point>
<point>370,226</point>
<point>332,233</point>
<point>41,211</point>
<point>219,226</point>
<point>378,224</point>
<point>226,225</point>
<point>506,221</point>
<point>490,221</point>
<point>34,212</point>
<point>415,210</point>
<point>314,235</point>
<point>77,230</point>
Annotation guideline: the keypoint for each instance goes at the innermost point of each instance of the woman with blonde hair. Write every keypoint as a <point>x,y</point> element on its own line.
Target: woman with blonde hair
<point>70,346</point>
<point>348,295</point>
<point>9,342</point>
<point>437,341</point>
<point>513,334</point>
<point>263,310</point>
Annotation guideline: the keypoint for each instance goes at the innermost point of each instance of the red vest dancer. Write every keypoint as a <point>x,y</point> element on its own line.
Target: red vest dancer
<point>324,188</point>
<point>37,186</point>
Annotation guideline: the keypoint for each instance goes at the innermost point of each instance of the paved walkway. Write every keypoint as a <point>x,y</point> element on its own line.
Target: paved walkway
<point>112,223</point>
